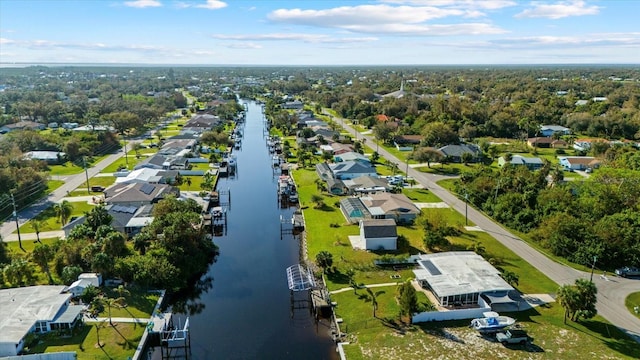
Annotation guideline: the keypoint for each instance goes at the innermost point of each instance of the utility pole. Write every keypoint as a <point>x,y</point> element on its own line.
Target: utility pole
<point>466,208</point>
<point>15,216</point>
<point>86,174</point>
<point>126,159</point>
<point>593,265</point>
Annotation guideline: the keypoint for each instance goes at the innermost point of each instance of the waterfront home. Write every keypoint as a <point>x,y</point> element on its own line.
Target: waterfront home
<point>34,309</point>
<point>352,169</point>
<point>391,206</point>
<point>148,176</point>
<point>367,184</point>
<point>138,193</point>
<point>462,278</point>
<point>351,156</point>
<point>377,234</point>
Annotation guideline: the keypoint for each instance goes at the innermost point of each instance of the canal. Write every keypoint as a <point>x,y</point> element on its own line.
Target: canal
<point>241,309</point>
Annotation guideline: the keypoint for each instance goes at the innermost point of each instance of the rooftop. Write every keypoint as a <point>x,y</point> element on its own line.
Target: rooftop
<point>22,307</point>
<point>459,272</point>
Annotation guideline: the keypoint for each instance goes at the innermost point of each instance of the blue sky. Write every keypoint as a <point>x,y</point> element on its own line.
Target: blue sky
<point>375,32</point>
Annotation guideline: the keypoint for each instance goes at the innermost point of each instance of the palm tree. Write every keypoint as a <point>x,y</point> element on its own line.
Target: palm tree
<point>112,302</point>
<point>374,301</point>
<point>36,224</point>
<point>63,210</point>
<point>187,180</point>
<point>122,291</point>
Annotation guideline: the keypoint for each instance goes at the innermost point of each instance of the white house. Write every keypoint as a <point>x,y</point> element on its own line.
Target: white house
<point>84,281</point>
<point>379,234</point>
<point>34,309</point>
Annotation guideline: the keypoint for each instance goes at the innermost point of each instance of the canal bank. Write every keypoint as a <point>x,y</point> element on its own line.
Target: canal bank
<point>241,308</point>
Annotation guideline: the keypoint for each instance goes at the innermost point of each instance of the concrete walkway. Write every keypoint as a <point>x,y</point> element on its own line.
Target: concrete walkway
<point>33,236</point>
<point>364,287</point>
<point>436,205</point>
<point>115,320</point>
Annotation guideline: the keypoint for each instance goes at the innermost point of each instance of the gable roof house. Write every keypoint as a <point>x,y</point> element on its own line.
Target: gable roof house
<point>149,176</point>
<point>138,194</point>
<point>549,130</point>
<point>293,105</point>
<point>579,162</point>
<point>533,163</point>
<point>157,161</point>
<point>455,152</point>
<point>391,206</point>
<point>352,169</point>
<point>379,234</point>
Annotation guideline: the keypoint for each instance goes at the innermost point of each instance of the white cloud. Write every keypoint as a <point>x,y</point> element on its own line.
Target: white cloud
<point>385,19</point>
<point>308,38</point>
<point>143,3</point>
<point>4,41</point>
<point>212,5</point>
<point>559,10</point>
<point>247,45</point>
<point>466,4</point>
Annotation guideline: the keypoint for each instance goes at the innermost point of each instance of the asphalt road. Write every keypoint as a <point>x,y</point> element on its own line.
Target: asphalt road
<point>612,290</point>
<point>71,182</point>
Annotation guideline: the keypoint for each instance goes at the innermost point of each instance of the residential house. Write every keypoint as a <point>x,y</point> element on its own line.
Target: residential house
<point>293,105</point>
<point>379,234</point>
<point>459,278</point>
<point>22,125</point>
<point>402,140</point>
<point>138,194</point>
<point>98,128</point>
<point>351,156</point>
<point>455,152</point>
<point>579,162</point>
<point>581,102</point>
<point>149,176</point>
<point>34,309</point>
<point>546,142</point>
<point>532,163</point>
<point>549,130</point>
<point>391,206</point>
<point>352,169</point>
<point>51,157</point>
<point>366,185</point>
<point>127,219</point>
<point>339,148</point>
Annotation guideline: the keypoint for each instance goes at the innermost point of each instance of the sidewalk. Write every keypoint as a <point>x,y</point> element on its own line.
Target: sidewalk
<point>33,236</point>
<point>116,320</point>
<point>364,287</point>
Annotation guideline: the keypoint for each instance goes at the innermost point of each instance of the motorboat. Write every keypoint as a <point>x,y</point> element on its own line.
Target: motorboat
<point>491,322</point>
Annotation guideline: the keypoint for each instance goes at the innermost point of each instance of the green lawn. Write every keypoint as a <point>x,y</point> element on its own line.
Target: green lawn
<point>67,168</point>
<point>53,184</point>
<point>119,342</point>
<point>50,221</point>
<point>128,163</point>
<point>421,195</point>
<point>28,245</point>
<point>195,183</point>
<point>632,301</point>
<point>104,181</point>
<point>138,305</point>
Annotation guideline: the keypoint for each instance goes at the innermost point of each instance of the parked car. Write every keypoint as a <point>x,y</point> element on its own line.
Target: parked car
<point>628,271</point>
<point>513,337</point>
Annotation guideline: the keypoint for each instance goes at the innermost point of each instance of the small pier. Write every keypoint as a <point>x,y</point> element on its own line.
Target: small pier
<point>171,335</point>
<point>305,294</point>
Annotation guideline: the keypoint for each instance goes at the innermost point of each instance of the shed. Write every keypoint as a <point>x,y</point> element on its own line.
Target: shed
<point>379,234</point>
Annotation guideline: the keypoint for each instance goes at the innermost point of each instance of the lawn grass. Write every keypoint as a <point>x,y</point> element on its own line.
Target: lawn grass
<point>119,342</point>
<point>50,221</point>
<point>421,195</point>
<point>104,181</point>
<point>196,181</point>
<point>455,340</point>
<point>138,304</point>
<point>122,162</point>
<point>631,302</point>
<point>28,245</point>
<point>53,184</point>
<point>68,168</point>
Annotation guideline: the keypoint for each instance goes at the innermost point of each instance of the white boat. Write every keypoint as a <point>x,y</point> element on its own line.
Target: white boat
<point>491,322</point>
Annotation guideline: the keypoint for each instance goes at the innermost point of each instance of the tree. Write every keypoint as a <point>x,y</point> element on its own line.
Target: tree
<point>112,302</point>
<point>510,277</point>
<point>97,217</point>
<point>141,242</point>
<point>324,259</point>
<point>374,157</point>
<point>42,254</point>
<point>467,157</point>
<point>70,274</point>
<point>407,298</point>
<point>63,211</point>
<point>89,294</point>
<point>318,200</point>
<point>427,154</point>
<point>351,275</point>
<point>439,134</point>
<point>578,300</point>
<point>383,132</point>
<point>188,181</point>
<point>122,291</point>
<point>374,300</point>
<point>37,224</point>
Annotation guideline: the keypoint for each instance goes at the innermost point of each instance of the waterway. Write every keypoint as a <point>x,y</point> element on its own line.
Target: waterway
<point>241,308</point>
